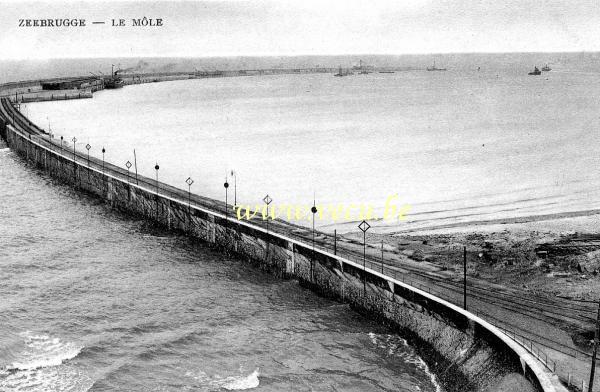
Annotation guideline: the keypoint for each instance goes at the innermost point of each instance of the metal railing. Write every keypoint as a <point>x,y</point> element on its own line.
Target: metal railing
<point>67,151</point>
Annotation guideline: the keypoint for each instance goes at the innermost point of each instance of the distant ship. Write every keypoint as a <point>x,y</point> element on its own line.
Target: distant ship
<point>386,71</point>
<point>434,68</point>
<point>115,80</point>
<point>546,68</point>
<point>363,69</point>
<point>340,72</point>
<point>535,71</point>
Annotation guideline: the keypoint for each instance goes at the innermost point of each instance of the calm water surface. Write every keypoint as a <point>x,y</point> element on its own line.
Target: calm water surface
<point>95,301</point>
<point>457,146</point>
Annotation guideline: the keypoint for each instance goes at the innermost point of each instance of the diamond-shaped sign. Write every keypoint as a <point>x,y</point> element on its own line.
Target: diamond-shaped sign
<point>128,164</point>
<point>74,139</point>
<point>267,199</point>
<point>364,226</point>
<point>88,146</point>
<point>189,181</point>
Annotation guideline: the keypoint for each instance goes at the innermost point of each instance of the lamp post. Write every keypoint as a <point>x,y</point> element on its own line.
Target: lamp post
<point>335,242</point>
<point>312,260</point>
<point>87,147</point>
<point>104,182</point>
<point>156,167</point>
<point>382,256</point>
<point>74,164</point>
<point>465,278</point>
<point>234,175</point>
<point>364,226</point>
<point>135,166</point>
<point>189,182</point>
<point>226,185</point>
<point>61,153</point>
<point>74,141</point>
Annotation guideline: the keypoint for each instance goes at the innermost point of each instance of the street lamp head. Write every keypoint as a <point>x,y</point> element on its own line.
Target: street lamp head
<point>103,150</point>
<point>313,209</point>
<point>156,167</point>
<point>226,185</point>
<point>61,138</point>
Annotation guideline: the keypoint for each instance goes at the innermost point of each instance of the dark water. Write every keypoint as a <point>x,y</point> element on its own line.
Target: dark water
<point>93,300</point>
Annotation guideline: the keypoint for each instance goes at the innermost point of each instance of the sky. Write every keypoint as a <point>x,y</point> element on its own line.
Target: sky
<point>304,27</point>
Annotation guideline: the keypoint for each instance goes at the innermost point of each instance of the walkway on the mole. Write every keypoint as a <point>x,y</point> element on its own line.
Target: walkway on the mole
<point>537,319</point>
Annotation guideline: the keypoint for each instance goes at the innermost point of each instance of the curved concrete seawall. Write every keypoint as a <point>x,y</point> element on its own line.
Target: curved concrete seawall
<point>465,352</point>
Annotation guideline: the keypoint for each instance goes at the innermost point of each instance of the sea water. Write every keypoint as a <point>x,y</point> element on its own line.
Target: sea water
<point>92,300</point>
<point>456,146</point>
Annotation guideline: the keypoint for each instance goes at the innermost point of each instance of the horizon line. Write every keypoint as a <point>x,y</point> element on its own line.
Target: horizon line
<point>274,55</point>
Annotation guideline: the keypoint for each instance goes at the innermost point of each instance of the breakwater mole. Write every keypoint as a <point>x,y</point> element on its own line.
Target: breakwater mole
<point>463,350</point>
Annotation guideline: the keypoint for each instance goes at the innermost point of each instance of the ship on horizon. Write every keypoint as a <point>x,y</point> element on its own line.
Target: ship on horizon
<point>363,69</point>
<point>434,68</point>
<point>341,72</point>
<point>535,71</point>
<point>546,68</point>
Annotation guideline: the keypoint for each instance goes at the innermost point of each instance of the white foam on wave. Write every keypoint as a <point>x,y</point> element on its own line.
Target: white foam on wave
<point>248,382</point>
<point>230,383</point>
<point>432,377</point>
<point>43,351</point>
<point>391,343</point>
<point>41,367</point>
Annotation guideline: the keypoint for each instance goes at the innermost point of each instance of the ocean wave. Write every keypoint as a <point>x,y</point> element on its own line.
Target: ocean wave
<point>67,379</point>
<point>42,367</point>
<point>231,383</point>
<point>239,383</point>
<point>43,351</point>
<point>391,344</point>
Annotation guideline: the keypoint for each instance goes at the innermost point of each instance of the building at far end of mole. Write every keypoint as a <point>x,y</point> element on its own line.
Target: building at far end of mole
<point>71,84</point>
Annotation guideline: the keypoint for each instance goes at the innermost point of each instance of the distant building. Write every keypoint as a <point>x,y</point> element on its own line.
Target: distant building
<point>73,84</point>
